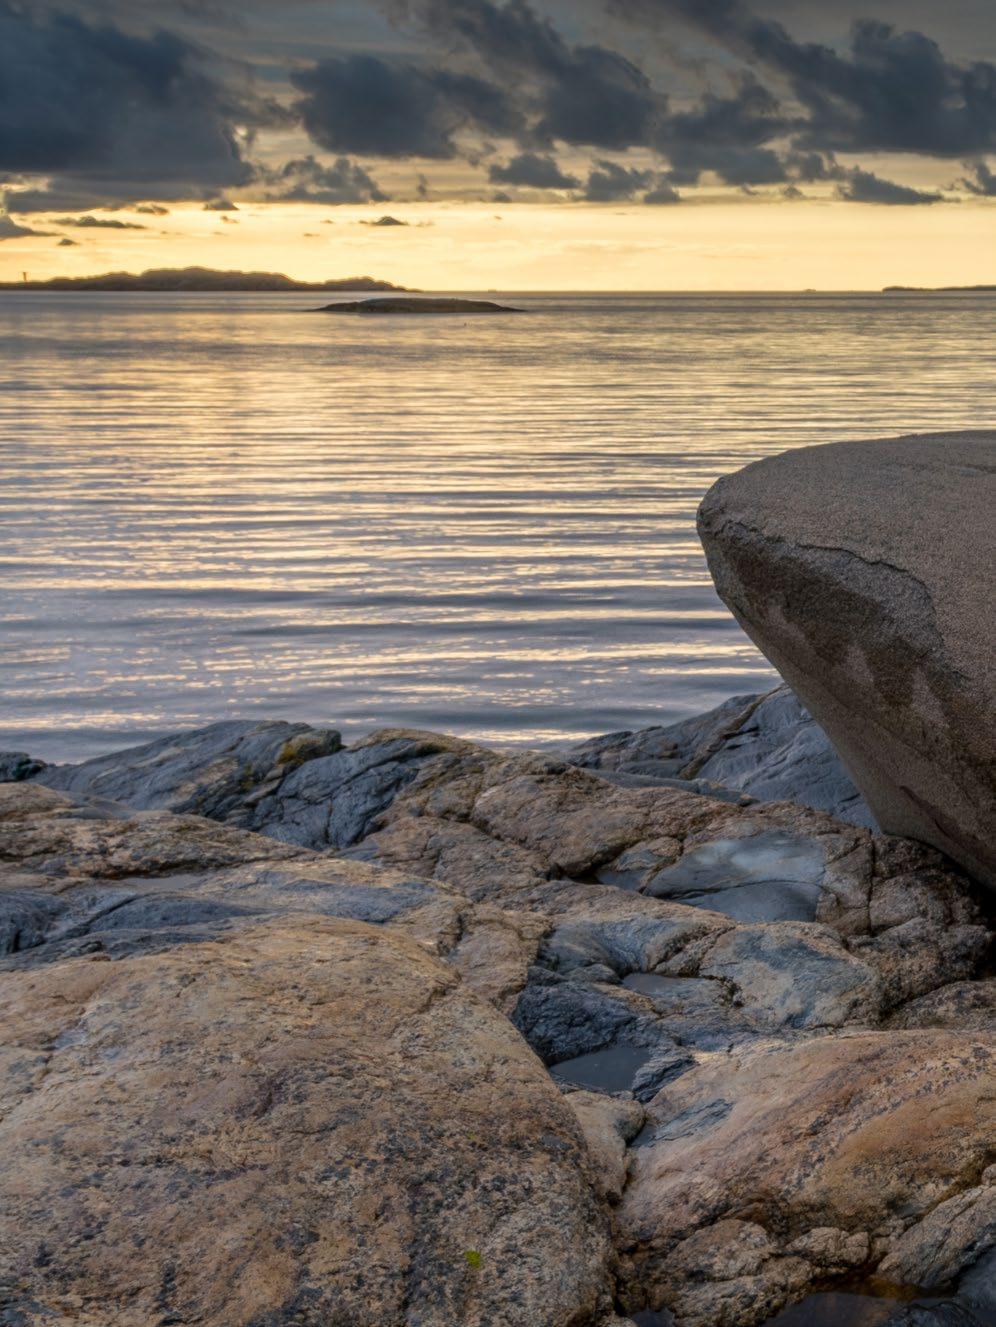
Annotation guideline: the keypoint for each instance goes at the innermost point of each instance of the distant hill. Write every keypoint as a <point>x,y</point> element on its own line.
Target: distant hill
<point>892,290</point>
<point>197,278</point>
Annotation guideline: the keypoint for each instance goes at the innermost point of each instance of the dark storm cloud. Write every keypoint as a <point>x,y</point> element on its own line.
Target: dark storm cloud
<point>114,111</point>
<point>662,194</point>
<point>306,180</point>
<point>889,90</point>
<point>533,171</point>
<point>220,205</point>
<point>608,182</point>
<point>98,223</point>
<point>861,186</point>
<point>982,181</point>
<point>726,135</point>
<point>579,94</point>
<point>94,96</point>
<point>385,108</point>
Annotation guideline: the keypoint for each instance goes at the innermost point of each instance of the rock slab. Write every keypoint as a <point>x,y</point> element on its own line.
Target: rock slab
<point>864,572</point>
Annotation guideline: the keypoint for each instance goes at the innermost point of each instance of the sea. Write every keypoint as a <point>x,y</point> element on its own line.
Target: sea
<point>220,506</point>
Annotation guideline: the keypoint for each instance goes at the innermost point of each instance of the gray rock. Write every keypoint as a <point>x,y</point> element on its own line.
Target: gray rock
<point>771,876</point>
<point>208,771</point>
<point>944,1313</point>
<point>332,801</point>
<point>962,1004</point>
<point>864,571</point>
<point>764,747</point>
<point>18,765</point>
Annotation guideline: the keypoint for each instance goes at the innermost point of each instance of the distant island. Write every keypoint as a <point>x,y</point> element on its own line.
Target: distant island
<point>892,290</point>
<point>197,278</point>
<point>393,305</point>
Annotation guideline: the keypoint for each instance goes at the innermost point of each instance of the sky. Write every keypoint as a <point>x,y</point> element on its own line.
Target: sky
<point>504,144</point>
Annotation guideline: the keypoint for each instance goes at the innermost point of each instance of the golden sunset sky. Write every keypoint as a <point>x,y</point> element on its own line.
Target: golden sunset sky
<point>503,144</point>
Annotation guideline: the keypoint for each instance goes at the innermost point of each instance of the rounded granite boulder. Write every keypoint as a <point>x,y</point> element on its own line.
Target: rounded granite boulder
<point>865,572</point>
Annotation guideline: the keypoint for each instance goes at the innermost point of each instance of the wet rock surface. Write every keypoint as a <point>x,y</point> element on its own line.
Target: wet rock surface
<point>863,571</point>
<point>769,1030</point>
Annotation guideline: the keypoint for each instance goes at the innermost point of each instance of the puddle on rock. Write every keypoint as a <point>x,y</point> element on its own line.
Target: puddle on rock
<point>835,1309</point>
<point>773,876</point>
<point>610,1070</point>
<point>684,992</point>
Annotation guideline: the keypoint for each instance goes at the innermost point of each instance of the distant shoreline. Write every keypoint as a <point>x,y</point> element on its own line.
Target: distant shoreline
<point>937,290</point>
<point>185,280</point>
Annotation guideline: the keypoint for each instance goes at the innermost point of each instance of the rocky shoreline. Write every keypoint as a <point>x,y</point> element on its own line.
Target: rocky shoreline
<point>660,1030</point>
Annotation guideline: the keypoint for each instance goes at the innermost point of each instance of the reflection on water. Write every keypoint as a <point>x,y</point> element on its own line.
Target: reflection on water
<point>836,1309</point>
<point>216,505</point>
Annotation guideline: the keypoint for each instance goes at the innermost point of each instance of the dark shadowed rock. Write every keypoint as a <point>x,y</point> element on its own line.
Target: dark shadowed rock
<point>864,571</point>
<point>18,765</point>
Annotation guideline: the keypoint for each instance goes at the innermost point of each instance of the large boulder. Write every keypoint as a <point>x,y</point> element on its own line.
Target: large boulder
<point>863,570</point>
<point>244,1085</point>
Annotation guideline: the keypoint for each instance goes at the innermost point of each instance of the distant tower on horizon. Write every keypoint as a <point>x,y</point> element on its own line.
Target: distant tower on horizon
<point>24,276</point>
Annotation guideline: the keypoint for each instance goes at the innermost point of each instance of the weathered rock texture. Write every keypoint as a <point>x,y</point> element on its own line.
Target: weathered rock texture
<point>674,959</point>
<point>224,1099</point>
<point>778,1164</point>
<point>864,572</point>
<point>765,746</point>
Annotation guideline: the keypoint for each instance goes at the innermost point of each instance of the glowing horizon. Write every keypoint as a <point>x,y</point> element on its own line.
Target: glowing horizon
<point>752,244</point>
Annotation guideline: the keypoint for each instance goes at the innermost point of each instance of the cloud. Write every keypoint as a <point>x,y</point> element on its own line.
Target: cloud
<point>861,186</point>
<point>578,94</point>
<point>982,181</point>
<point>889,91</point>
<point>532,171</point>
<point>608,182</point>
<point>67,243</point>
<point>365,104</point>
<point>385,221</point>
<point>117,114</point>
<point>727,136</point>
<point>99,223</point>
<point>220,205</point>
<point>152,209</point>
<point>306,180</point>
<point>10,230</point>
<point>662,193</point>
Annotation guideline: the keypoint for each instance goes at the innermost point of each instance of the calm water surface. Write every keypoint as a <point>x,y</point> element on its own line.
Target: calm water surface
<point>216,506</point>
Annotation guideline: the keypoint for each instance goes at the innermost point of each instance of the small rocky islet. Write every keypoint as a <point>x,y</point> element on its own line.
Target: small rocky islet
<point>419,305</point>
<point>659,1030</point>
